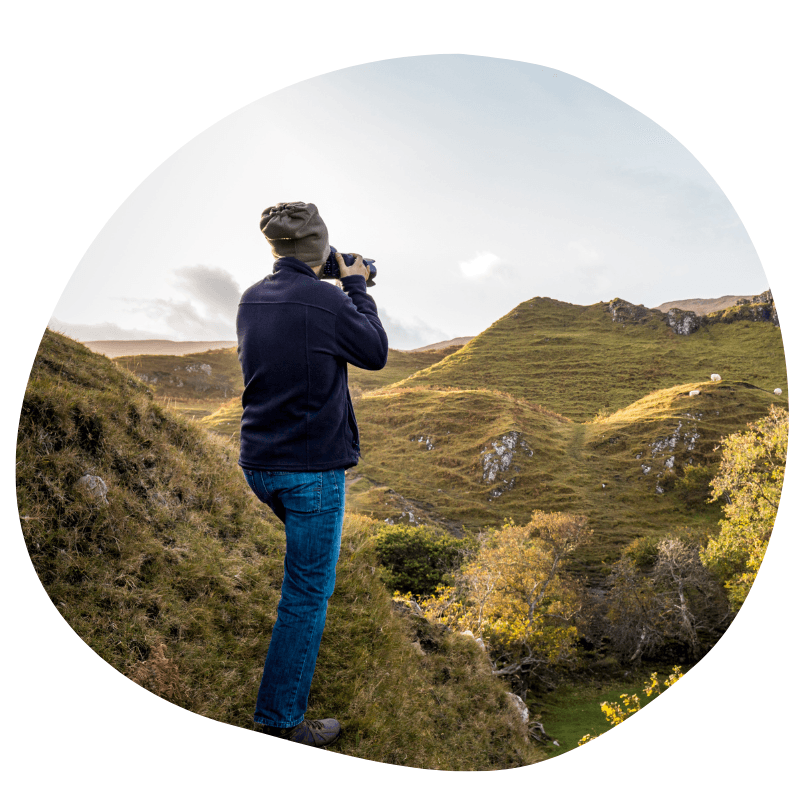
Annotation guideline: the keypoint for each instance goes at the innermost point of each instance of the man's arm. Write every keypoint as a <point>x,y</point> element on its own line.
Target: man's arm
<point>360,338</point>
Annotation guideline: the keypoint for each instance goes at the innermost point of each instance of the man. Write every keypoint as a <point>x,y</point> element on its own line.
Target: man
<point>296,335</point>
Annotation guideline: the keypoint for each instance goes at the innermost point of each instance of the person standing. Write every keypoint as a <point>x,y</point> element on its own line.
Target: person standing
<point>296,335</point>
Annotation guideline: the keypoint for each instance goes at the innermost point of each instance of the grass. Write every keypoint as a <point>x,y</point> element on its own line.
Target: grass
<point>576,361</point>
<point>174,578</point>
<point>610,469</point>
<point>212,375</point>
<point>571,711</point>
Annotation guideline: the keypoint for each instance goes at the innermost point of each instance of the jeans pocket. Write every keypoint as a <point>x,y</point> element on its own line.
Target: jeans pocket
<point>300,492</point>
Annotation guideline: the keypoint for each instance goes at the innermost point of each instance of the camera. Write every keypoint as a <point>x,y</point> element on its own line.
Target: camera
<point>330,269</point>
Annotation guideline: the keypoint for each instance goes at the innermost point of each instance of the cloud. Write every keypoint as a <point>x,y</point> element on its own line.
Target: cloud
<point>207,310</point>
<point>185,320</point>
<point>408,335</point>
<point>100,331</point>
<point>212,287</point>
<point>479,266</point>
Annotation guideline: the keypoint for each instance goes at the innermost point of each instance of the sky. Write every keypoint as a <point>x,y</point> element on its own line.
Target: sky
<point>475,183</point>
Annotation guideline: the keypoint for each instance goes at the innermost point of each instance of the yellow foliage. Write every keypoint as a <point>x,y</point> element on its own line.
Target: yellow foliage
<point>514,594</point>
<point>615,713</point>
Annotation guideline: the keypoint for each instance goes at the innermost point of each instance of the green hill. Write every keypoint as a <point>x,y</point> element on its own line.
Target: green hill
<point>151,546</point>
<point>210,383</point>
<point>474,458</point>
<point>580,360</point>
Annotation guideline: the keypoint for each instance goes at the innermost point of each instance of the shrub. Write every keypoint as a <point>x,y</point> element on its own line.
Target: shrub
<point>417,559</point>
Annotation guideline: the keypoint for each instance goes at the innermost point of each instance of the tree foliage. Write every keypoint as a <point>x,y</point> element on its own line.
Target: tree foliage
<point>750,478</point>
<point>415,560</point>
<point>515,595</point>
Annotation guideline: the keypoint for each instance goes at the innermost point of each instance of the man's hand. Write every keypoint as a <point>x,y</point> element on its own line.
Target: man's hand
<point>357,268</point>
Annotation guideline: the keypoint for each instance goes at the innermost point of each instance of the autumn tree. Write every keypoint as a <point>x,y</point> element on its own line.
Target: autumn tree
<point>750,478</point>
<point>516,596</point>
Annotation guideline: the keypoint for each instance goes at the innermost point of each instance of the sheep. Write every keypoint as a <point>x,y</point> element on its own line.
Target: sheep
<point>694,393</point>
<point>715,377</point>
<point>778,391</point>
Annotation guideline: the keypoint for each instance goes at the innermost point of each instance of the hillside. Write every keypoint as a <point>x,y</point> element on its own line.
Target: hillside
<point>703,306</point>
<point>581,360</point>
<point>474,458</point>
<point>148,541</point>
<point>115,348</point>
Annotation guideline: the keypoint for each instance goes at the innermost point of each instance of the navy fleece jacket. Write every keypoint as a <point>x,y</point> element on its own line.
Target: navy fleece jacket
<point>296,335</point>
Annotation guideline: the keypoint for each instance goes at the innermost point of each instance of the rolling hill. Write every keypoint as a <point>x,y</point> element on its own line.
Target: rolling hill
<point>149,543</point>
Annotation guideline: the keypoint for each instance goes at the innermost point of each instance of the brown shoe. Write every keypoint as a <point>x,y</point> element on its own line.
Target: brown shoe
<point>313,732</point>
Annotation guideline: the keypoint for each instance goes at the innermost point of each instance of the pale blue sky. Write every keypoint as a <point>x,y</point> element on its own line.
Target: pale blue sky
<point>475,183</point>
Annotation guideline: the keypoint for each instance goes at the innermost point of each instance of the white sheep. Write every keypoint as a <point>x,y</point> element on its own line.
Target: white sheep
<point>778,391</point>
<point>715,377</point>
<point>694,393</point>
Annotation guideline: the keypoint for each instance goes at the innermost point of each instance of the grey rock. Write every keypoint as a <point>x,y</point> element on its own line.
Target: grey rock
<point>95,486</point>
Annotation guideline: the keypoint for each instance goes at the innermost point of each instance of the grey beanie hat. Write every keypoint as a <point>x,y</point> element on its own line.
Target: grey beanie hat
<point>296,229</point>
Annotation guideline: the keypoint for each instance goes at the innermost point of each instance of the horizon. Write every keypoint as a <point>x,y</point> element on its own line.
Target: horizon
<point>474,182</point>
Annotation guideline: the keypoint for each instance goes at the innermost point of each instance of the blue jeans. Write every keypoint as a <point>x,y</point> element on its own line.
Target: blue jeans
<point>311,504</point>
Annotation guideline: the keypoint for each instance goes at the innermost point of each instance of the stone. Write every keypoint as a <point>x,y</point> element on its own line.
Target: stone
<point>95,486</point>
<point>519,705</point>
<point>683,322</point>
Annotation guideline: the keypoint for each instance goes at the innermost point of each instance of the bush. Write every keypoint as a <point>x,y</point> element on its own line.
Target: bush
<point>694,487</point>
<point>417,559</point>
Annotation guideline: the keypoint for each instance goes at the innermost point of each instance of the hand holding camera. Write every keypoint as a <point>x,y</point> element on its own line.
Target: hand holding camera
<point>357,267</point>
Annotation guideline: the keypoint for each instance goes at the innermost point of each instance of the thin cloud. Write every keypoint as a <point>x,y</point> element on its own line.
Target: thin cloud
<point>479,266</point>
<point>100,331</point>
<point>405,335</point>
<point>212,287</point>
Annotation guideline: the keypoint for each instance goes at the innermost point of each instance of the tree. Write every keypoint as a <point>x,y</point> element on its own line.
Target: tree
<point>675,602</point>
<point>750,478</point>
<point>516,596</point>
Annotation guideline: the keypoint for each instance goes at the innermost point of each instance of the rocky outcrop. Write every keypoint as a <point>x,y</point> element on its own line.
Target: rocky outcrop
<point>759,308</point>
<point>498,457</point>
<point>627,313</point>
<point>683,322</point>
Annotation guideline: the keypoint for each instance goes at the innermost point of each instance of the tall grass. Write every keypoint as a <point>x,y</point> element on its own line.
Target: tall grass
<point>174,576</point>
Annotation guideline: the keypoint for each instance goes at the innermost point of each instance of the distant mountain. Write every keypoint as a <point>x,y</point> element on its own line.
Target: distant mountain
<point>459,341</point>
<point>700,306</point>
<point>157,347</point>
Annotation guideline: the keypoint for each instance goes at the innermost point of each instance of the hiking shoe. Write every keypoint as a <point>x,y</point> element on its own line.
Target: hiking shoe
<point>313,732</point>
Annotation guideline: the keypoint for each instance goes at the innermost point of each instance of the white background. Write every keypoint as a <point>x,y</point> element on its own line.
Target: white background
<point>97,95</point>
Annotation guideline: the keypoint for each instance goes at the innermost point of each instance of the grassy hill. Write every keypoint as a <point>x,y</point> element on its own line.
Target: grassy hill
<point>202,384</point>
<point>148,541</point>
<point>580,360</point>
<point>433,455</point>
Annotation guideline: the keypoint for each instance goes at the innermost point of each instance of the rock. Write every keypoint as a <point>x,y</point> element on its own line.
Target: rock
<point>519,705</point>
<point>206,368</point>
<point>625,312</point>
<point>95,486</point>
<point>683,322</point>
<point>498,456</point>
<point>405,606</point>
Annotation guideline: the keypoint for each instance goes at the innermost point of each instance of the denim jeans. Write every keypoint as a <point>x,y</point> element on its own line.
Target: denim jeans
<point>311,504</point>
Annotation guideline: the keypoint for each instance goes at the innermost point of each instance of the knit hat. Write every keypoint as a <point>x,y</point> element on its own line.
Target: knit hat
<point>296,229</point>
